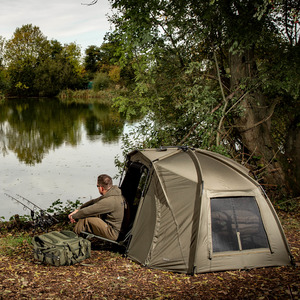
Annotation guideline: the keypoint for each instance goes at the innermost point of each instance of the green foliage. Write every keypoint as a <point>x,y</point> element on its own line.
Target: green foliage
<point>72,54</point>
<point>209,71</point>
<point>21,219</point>
<point>101,81</point>
<point>2,96</point>
<point>92,59</point>
<point>105,59</point>
<point>22,54</point>
<point>38,67</point>
<point>21,86</point>
<point>59,208</point>
<point>130,107</point>
<point>142,136</point>
<point>60,70</point>
<point>279,72</point>
<point>115,74</point>
<point>4,83</point>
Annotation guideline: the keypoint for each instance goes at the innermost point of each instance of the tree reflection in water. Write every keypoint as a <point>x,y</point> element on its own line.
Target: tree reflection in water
<point>31,128</point>
<point>52,150</point>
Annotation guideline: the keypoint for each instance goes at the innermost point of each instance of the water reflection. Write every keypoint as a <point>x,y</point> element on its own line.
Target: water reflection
<point>52,150</point>
<point>31,127</point>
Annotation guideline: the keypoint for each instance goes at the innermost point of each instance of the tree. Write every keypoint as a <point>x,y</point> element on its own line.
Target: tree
<point>72,54</point>
<point>100,58</point>
<point>37,66</point>
<point>209,68</point>
<point>23,53</point>
<point>92,58</point>
<point>107,59</point>
<point>61,69</point>
<point>2,46</point>
<point>3,74</point>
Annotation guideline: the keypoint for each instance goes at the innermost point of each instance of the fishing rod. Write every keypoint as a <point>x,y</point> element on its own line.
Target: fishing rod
<point>25,199</point>
<point>13,198</point>
<point>42,219</point>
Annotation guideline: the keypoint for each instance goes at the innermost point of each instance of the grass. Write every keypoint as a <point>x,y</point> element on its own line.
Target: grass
<point>12,242</point>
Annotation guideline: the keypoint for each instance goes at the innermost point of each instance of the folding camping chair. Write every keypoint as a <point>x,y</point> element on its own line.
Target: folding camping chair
<point>125,232</point>
<point>132,188</point>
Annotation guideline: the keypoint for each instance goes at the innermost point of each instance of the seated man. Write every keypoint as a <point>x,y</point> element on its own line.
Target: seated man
<point>102,216</point>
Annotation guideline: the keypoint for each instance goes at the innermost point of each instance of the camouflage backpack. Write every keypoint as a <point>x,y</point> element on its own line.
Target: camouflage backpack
<point>61,248</point>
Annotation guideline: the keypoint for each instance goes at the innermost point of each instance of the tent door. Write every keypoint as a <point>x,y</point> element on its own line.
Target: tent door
<point>133,186</point>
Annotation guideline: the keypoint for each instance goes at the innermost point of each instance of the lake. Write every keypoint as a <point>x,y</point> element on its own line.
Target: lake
<point>52,150</point>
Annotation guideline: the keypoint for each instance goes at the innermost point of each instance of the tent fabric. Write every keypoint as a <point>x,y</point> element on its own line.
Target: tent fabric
<point>201,212</point>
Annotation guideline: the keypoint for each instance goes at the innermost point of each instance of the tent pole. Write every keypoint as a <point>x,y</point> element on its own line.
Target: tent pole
<point>196,215</point>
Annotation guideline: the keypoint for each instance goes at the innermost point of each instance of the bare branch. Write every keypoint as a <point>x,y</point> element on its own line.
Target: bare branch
<point>91,3</point>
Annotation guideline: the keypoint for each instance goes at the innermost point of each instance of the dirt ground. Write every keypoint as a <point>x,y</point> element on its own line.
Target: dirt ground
<point>110,275</point>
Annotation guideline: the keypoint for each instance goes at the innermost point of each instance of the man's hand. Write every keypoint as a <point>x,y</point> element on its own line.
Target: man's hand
<point>71,214</point>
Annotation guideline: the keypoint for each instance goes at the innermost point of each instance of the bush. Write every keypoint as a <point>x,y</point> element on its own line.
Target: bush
<point>115,74</point>
<point>2,97</point>
<point>100,82</point>
<point>58,208</point>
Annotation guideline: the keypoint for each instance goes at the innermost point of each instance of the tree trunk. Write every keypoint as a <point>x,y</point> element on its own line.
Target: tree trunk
<point>292,167</point>
<point>254,123</point>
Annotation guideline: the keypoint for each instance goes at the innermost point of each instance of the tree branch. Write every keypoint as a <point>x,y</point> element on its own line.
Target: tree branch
<point>224,99</point>
<point>170,37</point>
<point>189,133</point>
<point>263,120</point>
<point>91,3</point>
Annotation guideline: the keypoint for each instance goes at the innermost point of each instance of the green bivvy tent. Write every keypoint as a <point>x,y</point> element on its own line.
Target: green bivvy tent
<point>196,211</point>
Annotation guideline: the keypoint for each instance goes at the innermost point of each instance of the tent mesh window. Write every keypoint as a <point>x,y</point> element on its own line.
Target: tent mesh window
<point>236,224</point>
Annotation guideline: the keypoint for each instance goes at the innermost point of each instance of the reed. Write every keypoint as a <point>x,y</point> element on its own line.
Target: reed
<point>87,96</point>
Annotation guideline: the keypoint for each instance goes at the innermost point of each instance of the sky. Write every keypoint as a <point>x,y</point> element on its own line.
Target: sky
<point>63,20</point>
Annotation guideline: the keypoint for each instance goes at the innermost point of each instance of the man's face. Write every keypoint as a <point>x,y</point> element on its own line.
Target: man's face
<point>100,189</point>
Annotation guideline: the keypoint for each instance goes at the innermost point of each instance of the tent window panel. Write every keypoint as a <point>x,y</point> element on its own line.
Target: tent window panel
<point>236,224</point>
